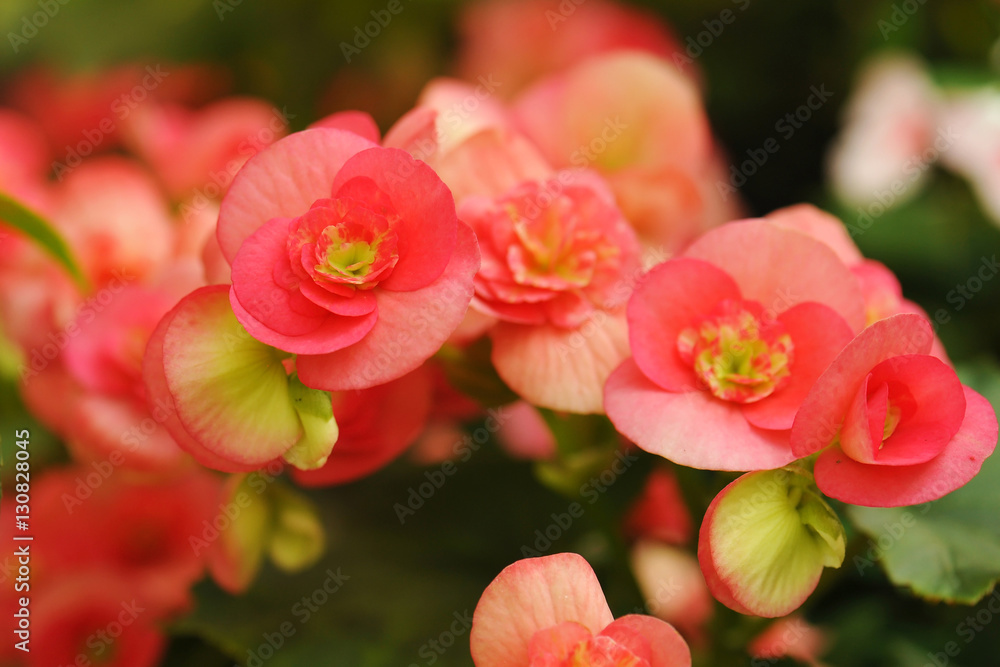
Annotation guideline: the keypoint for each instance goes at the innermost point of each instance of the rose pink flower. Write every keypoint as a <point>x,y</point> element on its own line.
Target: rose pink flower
<point>94,618</point>
<point>559,261</point>
<point>894,424</point>
<point>673,587</point>
<point>791,637</point>
<point>551,38</point>
<point>640,123</point>
<point>972,121</point>
<point>196,153</point>
<point>660,512</point>
<point>347,254</point>
<point>887,143</point>
<point>727,340</point>
<point>551,612</point>
<point>880,288</point>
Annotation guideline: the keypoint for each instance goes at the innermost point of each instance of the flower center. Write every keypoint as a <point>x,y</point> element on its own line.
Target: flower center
<point>735,354</point>
<point>342,242</point>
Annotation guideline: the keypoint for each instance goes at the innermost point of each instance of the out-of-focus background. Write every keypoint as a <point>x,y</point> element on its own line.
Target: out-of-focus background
<point>408,588</point>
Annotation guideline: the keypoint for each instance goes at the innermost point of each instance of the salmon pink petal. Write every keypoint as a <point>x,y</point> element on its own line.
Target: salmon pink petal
<point>843,478</point>
<point>819,419</point>
<point>230,391</point>
<point>411,327</point>
<point>692,428</point>
<point>820,225</point>
<point>668,300</point>
<point>818,335</point>
<point>491,162</point>
<point>532,595</point>
<point>360,302</point>
<point>335,332</point>
<point>165,410</point>
<point>557,643</point>
<point>929,406</point>
<point>265,287</point>
<point>426,224</point>
<point>415,133</point>
<point>283,181</point>
<point>780,267</point>
<point>561,369</point>
<point>358,122</point>
<point>650,636</point>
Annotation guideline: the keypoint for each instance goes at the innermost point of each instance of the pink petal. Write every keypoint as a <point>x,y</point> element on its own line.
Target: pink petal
<point>335,332</point>
<point>427,222</point>
<point>162,402</point>
<point>666,646</point>
<point>358,122</point>
<point>840,477</point>
<point>820,225</point>
<point>561,369</point>
<point>260,264</point>
<point>557,642</point>
<point>779,268</point>
<point>283,181</point>
<point>818,334</point>
<point>933,409</point>
<point>691,428</point>
<point>668,300</point>
<point>820,416</point>
<point>411,327</point>
<point>531,595</point>
<point>415,133</point>
<point>361,302</point>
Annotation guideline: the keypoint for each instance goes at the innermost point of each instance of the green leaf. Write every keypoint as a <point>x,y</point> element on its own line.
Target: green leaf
<point>948,549</point>
<point>20,217</point>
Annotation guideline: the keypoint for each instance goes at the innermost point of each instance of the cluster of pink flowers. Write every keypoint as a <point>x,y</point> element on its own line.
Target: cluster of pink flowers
<point>259,299</point>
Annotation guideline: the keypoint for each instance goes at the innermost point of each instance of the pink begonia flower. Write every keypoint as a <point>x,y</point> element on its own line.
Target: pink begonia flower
<point>376,426</point>
<point>640,123</point>
<point>558,264</point>
<point>973,122</point>
<point>228,399</point>
<point>673,587</point>
<point>727,340</point>
<point>880,288</point>
<point>24,158</point>
<point>883,154</point>
<point>92,518</point>
<point>78,615</point>
<point>116,219</point>
<point>525,435</point>
<point>895,425</point>
<point>551,37</point>
<point>660,512</point>
<point>469,138</point>
<point>196,153</point>
<point>791,637</point>
<point>105,414</point>
<point>551,612</point>
<point>347,254</point>
<point>358,122</point>
<point>765,541</point>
